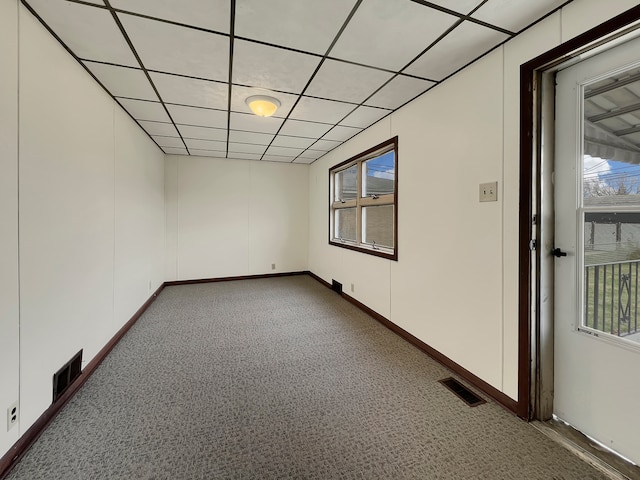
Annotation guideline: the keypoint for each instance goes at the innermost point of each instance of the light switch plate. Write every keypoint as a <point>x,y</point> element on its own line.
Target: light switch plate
<point>489,192</point>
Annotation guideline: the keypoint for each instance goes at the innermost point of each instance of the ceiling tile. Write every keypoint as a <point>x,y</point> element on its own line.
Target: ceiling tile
<point>206,145</point>
<point>277,158</point>
<point>143,110</point>
<point>122,81</point>
<point>514,15</point>
<point>239,94</point>
<point>159,128</point>
<point>203,133</point>
<point>311,154</point>
<point>207,153</point>
<point>250,137</point>
<point>168,141</point>
<point>399,91</point>
<point>209,14</point>
<point>364,116</point>
<point>323,111</point>
<point>464,44</point>
<point>253,123</point>
<point>306,25</point>
<point>174,49</point>
<point>460,6</point>
<point>272,68</point>
<point>243,156</point>
<point>304,129</point>
<point>284,151</point>
<point>246,148</point>
<point>305,161</point>
<point>190,91</point>
<point>390,33</point>
<point>202,117</point>
<point>346,82</point>
<point>325,145</point>
<point>295,142</point>
<point>90,32</point>
<point>175,151</point>
<point>341,133</point>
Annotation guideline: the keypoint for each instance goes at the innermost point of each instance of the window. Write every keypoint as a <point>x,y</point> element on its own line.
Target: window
<point>364,201</point>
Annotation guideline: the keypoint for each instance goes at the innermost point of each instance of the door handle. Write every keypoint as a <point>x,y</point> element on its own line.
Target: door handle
<point>556,252</point>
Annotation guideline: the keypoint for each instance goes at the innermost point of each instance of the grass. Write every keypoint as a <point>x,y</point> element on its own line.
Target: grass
<point>618,297</point>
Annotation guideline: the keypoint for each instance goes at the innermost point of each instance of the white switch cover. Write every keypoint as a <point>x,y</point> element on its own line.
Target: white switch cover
<point>489,192</point>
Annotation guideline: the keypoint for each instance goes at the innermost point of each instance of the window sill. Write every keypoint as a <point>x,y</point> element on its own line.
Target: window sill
<point>382,252</point>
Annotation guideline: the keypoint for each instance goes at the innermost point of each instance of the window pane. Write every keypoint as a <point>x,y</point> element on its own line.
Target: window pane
<point>377,225</point>
<point>345,224</point>
<point>379,175</point>
<point>611,144</point>
<point>611,273</point>
<point>346,184</point>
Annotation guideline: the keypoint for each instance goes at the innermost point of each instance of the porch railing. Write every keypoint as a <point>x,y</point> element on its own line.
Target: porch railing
<point>611,297</point>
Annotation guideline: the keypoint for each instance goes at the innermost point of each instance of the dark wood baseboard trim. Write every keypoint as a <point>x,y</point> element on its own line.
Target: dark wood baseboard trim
<point>318,279</point>
<point>499,397</point>
<point>16,452</point>
<point>231,279</point>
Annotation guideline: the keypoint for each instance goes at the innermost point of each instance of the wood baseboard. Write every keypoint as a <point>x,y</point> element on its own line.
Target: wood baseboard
<point>499,397</point>
<point>16,452</point>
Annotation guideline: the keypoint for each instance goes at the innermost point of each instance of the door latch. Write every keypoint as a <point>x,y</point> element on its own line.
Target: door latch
<point>556,252</point>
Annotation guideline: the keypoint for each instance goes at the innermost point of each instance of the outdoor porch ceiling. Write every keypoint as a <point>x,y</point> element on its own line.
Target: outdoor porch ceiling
<point>612,118</point>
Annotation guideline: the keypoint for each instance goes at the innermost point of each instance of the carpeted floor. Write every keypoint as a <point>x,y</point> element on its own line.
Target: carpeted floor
<point>275,379</point>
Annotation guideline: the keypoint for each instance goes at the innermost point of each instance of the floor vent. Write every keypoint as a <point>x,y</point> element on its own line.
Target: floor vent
<point>463,392</point>
<point>66,375</point>
<point>336,286</point>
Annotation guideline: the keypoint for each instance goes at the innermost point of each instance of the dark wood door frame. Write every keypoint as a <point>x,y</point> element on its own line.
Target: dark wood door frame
<point>530,75</point>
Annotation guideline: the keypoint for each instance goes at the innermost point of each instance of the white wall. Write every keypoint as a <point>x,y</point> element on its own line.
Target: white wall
<point>139,218</point>
<point>234,217</point>
<point>90,209</point>
<point>454,285</point>
<point>92,242</point>
<point>9,308</point>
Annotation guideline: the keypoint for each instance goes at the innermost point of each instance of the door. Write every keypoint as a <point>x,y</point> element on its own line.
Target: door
<point>597,226</point>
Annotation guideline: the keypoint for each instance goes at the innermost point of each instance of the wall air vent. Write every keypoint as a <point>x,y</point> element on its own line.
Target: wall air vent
<point>463,392</point>
<point>66,375</point>
<point>336,286</point>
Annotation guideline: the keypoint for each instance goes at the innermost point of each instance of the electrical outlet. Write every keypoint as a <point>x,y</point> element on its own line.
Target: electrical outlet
<point>273,266</point>
<point>489,192</point>
<point>12,416</point>
<point>353,289</point>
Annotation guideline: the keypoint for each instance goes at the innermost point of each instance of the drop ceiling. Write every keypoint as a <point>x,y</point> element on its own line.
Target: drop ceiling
<point>183,68</point>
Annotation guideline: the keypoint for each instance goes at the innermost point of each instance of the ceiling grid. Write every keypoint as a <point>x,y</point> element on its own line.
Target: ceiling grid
<point>183,69</point>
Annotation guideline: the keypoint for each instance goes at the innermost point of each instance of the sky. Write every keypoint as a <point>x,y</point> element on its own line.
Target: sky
<point>382,166</point>
<point>612,173</point>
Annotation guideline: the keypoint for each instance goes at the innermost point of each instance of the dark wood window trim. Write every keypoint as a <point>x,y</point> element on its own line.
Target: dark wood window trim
<point>530,75</point>
<point>391,254</point>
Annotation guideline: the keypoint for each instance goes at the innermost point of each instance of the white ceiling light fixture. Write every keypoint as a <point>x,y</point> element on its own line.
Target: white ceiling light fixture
<point>263,105</point>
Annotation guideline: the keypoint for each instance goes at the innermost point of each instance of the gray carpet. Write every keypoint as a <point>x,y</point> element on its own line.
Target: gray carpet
<point>274,379</point>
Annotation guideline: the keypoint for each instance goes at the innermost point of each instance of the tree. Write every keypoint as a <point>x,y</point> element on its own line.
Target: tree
<point>623,185</point>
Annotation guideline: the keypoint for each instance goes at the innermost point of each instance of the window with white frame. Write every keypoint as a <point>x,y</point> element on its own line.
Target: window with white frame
<point>364,201</point>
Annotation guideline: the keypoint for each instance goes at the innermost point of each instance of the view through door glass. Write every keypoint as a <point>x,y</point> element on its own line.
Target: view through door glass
<point>611,205</point>
<point>597,225</point>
